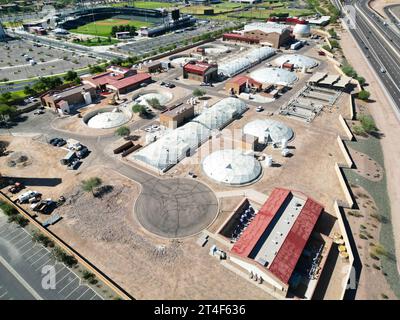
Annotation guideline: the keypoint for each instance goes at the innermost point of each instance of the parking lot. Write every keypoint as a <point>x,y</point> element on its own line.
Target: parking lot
<point>149,44</point>
<point>21,268</point>
<point>49,60</point>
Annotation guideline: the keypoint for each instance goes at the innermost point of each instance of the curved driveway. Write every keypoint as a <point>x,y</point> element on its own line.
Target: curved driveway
<point>171,208</point>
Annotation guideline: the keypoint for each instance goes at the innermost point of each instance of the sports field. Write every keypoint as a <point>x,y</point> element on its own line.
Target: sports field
<point>103,28</point>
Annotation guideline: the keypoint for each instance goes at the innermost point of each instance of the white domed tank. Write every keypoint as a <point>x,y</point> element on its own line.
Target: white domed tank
<point>302,30</point>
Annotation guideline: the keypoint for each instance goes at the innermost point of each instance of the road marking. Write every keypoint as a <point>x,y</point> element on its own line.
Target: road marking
<point>31,256</point>
<point>26,236</point>
<point>20,279</point>
<point>83,293</point>
<point>67,285</point>
<point>42,265</point>
<point>62,277</point>
<point>43,256</point>
<point>71,292</point>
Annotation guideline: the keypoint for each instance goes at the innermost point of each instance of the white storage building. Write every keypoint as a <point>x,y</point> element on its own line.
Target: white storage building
<point>299,61</point>
<point>231,167</point>
<point>233,67</point>
<point>274,76</point>
<point>183,141</point>
<point>268,131</point>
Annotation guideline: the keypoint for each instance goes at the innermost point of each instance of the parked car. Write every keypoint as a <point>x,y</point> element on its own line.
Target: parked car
<point>16,187</point>
<point>74,164</point>
<point>144,84</point>
<point>259,109</point>
<point>170,85</point>
<point>27,196</point>
<point>83,152</point>
<point>37,112</point>
<point>54,141</point>
<point>162,83</point>
<point>61,143</point>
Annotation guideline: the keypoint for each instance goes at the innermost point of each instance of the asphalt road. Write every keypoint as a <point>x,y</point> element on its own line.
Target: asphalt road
<point>380,54</point>
<point>10,286</point>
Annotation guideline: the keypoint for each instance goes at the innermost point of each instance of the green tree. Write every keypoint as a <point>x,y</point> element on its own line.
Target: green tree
<point>363,95</point>
<point>140,109</point>
<point>70,76</point>
<point>155,103</point>
<point>198,92</point>
<point>367,123</point>
<point>123,131</point>
<point>29,91</point>
<point>6,111</point>
<point>90,184</point>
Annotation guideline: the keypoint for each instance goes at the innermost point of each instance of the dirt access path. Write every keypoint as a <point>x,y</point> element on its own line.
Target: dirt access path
<point>385,118</point>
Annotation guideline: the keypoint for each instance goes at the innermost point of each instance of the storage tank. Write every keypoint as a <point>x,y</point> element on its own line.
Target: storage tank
<point>88,98</point>
<point>284,143</point>
<point>302,30</point>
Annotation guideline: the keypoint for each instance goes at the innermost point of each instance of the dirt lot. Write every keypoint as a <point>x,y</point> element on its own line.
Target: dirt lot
<point>42,171</point>
<point>105,231</point>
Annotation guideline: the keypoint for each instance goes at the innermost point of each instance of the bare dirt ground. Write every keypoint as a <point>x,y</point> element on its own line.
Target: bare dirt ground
<point>366,231</point>
<point>42,171</point>
<point>106,232</point>
<point>366,166</point>
<point>378,5</point>
<point>385,118</point>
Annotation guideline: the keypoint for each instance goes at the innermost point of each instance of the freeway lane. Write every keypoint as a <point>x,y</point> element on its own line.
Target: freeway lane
<point>379,54</point>
<point>378,22</point>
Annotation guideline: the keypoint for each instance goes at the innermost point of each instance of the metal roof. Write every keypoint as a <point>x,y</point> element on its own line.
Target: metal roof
<point>277,236</point>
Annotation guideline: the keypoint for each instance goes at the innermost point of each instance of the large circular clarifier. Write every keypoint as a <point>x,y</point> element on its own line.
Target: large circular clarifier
<point>107,120</point>
<point>231,167</point>
<point>214,49</point>
<point>181,61</point>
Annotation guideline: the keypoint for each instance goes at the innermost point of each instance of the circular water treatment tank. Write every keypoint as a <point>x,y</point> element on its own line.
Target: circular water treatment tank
<point>268,131</point>
<point>298,60</point>
<point>214,49</point>
<point>162,97</point>
<point>231,167</point>
<point>274,76</point>
<point>108,120</point>
<point>180,61</point>
<point>302,30</point>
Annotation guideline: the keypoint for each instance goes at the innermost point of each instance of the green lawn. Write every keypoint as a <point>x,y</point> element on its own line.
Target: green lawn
<point>103,28</point>
<point>97,42</point>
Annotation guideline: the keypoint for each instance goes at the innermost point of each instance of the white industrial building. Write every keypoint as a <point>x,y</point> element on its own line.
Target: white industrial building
<point>298,61</point>
<point>268,131</point>
<point>230,68</point>
<point>231,167</point>
<point>183,141</point>
<point>276,76</point>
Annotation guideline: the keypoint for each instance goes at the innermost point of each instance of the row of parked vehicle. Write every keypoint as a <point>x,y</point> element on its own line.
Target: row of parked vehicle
<point>167,84</point>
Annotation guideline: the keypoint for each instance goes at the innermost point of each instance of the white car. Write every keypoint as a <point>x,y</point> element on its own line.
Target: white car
<point>259,109</point>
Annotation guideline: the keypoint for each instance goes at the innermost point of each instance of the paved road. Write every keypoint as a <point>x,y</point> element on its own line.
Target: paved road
<point>167,207</point>
<point>10,286</point>
<point>393,12</point>
<point>373,38</point>
<point>24,265</point>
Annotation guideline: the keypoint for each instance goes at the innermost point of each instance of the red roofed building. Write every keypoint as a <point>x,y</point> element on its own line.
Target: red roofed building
<point>121,80</point>
<point>238,37</point>
<point>272,246</point>
<point>239,84</point>
<point>128,84</point>
<point>200,71</point>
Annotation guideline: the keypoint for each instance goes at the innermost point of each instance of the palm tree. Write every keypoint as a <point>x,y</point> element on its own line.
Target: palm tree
<point>90,184</point>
